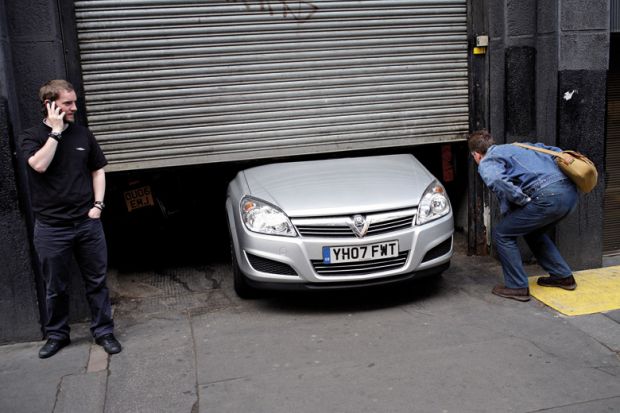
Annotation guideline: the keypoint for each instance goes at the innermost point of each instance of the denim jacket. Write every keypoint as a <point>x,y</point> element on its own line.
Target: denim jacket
<point>514,173</point>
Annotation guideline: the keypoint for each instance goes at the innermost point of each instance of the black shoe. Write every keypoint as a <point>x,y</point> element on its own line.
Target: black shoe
<point>53,346</point>
<point>567,283</point>
<point>109,343</point>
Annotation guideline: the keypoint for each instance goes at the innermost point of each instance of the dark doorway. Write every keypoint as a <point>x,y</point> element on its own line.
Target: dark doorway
<point>611,214</point>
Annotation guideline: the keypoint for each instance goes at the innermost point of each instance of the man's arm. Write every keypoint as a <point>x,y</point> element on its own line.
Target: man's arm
<point>493,174</point>
<point>99,192</point>
<point>42,158</point>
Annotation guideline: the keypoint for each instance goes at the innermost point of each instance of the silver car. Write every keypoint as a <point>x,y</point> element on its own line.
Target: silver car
<point>337,223</point>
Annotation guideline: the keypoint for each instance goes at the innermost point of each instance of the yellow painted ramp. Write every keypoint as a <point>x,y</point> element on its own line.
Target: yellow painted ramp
<point>598,291</point>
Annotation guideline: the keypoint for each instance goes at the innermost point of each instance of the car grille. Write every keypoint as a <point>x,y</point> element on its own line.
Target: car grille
<point>360,268</point>
<point>270,266</point>
<point>342,226</point>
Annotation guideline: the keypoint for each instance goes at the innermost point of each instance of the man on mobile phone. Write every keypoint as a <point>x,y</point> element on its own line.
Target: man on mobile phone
<point>67,186</point>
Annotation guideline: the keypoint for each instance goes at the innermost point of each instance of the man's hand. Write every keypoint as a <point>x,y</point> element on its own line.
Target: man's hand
<point>94,213</point>
<point>55,117</point>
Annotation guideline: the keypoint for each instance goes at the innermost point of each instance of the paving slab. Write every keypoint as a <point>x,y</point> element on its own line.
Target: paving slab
<point>155,371</point>
<point>608,405</point>
<point>614,315</point>
<point>600,327</point>
<point>30,384</point>
<point>80,393</point>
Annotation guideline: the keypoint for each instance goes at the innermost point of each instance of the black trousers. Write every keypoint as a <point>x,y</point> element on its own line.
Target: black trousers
<point>56,245</point>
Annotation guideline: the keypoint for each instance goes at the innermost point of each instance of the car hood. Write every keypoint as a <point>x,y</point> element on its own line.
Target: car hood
<point>340,186</point>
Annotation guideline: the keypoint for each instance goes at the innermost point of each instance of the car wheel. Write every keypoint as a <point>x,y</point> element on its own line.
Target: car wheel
<point>240,284</point>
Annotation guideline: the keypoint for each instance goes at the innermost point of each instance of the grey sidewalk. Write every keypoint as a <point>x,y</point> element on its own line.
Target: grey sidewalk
<point>191,346</point>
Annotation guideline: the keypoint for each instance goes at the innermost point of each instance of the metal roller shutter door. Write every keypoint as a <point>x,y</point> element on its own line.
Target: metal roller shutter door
<point>186,82</point>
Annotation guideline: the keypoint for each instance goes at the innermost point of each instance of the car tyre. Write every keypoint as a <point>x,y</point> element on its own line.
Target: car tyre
<point>240,283</point>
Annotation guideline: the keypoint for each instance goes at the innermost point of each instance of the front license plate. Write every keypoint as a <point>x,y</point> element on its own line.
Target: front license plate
<point>138,198</point>
<point>337,255</point>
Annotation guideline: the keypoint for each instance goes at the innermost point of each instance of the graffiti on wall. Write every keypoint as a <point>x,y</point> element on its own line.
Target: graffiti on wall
<point>299,10</point>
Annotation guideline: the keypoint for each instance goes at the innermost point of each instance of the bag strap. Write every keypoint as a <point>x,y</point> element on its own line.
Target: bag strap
<point>536,148</point>
<point>567,158</point>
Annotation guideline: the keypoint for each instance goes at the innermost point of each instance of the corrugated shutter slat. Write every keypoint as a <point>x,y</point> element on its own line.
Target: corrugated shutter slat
<point>184,82</point>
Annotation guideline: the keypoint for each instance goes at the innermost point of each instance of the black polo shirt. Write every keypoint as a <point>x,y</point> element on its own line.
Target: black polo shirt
<point>64,192</point>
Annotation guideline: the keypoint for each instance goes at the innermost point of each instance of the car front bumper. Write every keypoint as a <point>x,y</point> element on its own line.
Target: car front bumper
<point>290,262</point>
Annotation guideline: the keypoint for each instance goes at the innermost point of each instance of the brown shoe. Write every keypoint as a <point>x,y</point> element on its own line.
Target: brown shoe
<point>519,294</point>
<point>567,283</point>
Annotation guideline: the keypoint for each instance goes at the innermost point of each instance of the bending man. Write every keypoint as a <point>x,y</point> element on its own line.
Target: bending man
<point>534,194</point>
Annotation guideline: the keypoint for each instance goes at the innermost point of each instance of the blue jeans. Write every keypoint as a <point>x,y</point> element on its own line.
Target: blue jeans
<point>548,206</point>
<point>56,245</point>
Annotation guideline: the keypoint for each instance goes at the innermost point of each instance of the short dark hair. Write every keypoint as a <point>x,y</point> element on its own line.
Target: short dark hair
<point>480,141</point>
<point>51,90</point>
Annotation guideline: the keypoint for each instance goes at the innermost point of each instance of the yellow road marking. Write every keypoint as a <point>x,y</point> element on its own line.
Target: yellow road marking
<point>598,290</point>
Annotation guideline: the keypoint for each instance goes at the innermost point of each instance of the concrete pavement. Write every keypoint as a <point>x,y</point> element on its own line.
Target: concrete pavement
<point>190,345</point>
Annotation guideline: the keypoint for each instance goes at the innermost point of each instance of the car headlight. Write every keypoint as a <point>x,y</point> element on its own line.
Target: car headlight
<point>434,204</point>
<point>259,216</point>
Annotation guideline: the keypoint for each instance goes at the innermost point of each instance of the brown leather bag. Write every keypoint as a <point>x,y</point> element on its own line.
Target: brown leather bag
<point>576,166</point>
